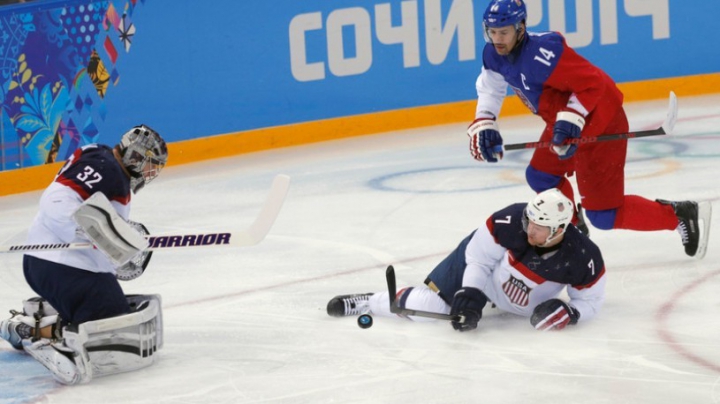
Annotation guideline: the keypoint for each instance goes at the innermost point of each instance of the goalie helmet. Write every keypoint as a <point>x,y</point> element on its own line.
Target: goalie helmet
<point>501,13</point>
<point>551,209</point>
<point>144,154</point>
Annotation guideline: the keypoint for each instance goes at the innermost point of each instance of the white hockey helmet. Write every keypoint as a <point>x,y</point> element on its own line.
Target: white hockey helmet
<point>551,209</point>
<point>139,147</point>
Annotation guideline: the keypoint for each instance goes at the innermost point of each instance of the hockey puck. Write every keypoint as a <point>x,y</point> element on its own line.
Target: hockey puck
<point>365,321</point>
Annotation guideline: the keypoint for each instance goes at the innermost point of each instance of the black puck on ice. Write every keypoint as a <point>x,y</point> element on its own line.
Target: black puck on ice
<point>365,321</point>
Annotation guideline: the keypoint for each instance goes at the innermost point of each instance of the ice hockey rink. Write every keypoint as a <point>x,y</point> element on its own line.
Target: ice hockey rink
<point>248,325</point>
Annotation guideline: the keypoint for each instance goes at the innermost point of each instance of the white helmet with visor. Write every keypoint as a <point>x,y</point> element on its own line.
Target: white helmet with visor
<point>551,209</point>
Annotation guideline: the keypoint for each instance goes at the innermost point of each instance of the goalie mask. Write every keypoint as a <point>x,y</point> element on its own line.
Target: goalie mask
<point>550,209</point>
<point>144,154</point>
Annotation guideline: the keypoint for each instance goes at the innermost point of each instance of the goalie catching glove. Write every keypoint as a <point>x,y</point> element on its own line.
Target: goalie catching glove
<point>136,266</point>
<point>554,314</point>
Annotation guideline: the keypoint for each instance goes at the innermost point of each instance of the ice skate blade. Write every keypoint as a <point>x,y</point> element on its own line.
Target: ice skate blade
<point>704,215</point>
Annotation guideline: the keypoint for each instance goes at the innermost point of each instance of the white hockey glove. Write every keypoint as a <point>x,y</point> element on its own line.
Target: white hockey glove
<point>136,266</point>
<point>108,231</point>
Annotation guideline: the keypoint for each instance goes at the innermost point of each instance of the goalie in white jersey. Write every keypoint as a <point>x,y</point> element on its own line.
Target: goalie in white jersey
<point>83,325</point>
<point>520,260</point>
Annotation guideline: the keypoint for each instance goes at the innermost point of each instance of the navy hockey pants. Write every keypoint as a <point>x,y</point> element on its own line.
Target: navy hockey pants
<point>448,275</point>
<point>78,295</point>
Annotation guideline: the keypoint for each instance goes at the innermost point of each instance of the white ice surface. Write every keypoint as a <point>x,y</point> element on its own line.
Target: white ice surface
<point>248,325</point>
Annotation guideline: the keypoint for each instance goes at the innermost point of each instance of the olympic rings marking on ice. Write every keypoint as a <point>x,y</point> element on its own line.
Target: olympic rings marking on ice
<point>670,166</point>
<point>678,150</point>
<point>382,183</point>
<point>648,147</point>
<point>507,178</point>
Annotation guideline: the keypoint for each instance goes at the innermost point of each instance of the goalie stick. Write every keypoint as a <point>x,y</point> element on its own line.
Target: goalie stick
<point>242,238</point>
<point>666,129</point>
<point>396,309</point>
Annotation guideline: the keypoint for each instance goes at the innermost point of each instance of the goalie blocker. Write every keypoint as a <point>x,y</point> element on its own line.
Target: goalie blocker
<point>110,233</point>
<point>102,347</point>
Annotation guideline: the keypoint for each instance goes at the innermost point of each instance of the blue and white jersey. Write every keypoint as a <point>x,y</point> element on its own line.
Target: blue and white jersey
<point>91,169</point>
<point>501,263</point>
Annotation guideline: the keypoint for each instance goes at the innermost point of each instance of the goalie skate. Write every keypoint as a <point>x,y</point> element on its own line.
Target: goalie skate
<point>14,330</point>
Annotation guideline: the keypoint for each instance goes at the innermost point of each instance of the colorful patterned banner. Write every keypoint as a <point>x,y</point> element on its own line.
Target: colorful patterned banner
<point>56,66</point>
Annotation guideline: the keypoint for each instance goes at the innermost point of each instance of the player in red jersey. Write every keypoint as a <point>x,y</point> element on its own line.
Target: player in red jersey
<point>575,99</point>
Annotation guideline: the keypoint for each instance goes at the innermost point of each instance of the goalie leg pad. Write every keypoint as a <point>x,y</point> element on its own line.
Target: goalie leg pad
<point>128,342</point>
<point>104,347</point>
<point>110,233</point>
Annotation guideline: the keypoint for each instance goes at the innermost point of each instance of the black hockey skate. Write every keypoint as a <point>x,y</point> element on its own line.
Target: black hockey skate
<point>348,305</point>
<point>690,214</point>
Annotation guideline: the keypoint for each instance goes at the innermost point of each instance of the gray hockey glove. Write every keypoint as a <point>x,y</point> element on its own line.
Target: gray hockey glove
<point>136,266</point>
<point>469,303</point>
<point>554,314</point>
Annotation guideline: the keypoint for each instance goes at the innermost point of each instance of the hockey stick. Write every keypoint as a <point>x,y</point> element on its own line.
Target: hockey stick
<point>396,309</point>
<point>666,129</point>
<point>243,238</point>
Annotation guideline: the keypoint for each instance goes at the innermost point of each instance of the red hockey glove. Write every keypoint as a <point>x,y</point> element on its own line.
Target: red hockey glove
<point>485,140</point>
<point>553,314</point>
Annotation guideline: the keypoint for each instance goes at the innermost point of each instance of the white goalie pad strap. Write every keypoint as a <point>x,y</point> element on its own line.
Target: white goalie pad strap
<point>42,323</point>
<point>125,343</point>
<point>38,305</point>
<point>108,231</point>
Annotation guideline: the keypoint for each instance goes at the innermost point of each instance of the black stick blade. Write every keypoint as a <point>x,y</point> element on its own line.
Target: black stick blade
<point>392,286</point>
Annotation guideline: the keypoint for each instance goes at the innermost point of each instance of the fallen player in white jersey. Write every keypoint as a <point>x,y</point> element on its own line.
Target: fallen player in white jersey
<point>520,260</point>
